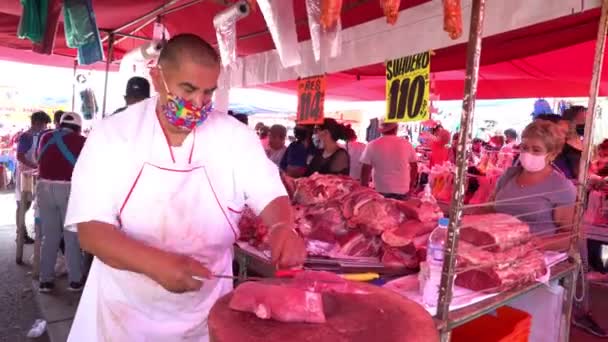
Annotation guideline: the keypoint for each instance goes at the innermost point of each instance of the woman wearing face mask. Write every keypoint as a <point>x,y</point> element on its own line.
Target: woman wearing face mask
<point>534,191</point>
<point>331,158</point>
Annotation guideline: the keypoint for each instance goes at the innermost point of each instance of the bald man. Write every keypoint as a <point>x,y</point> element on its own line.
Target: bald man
<point>162,225</point>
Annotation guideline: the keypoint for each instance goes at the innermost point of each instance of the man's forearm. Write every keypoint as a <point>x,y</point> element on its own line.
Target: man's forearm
<point>118,250</point>
<point>23,160</point>
<point>366,172</point>
<point>277,213</point>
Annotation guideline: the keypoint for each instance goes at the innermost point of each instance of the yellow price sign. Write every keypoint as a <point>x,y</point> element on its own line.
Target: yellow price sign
<point>407,88</point>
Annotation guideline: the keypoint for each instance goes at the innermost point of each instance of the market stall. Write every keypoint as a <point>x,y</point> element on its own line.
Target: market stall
<point>353,230</point>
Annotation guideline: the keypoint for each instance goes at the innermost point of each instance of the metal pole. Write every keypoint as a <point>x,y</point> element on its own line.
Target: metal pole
<point>594,88</point>
<point>74,84</point>
<point>108,62</point>
<point>148,15</point>
<point>466,125</point>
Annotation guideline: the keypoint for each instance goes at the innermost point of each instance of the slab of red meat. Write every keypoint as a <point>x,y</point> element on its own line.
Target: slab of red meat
<point>405,232</point>
<point>251,228</point>
<point>319,188</point>
<point>520,271</point>
<point>327,222</point>
<point>421,211</point>
<point>358,245</point>
<point>496,231</point>
<point>375,216</point>
<point>322,282</point>
<point>319,248</point>
<point>352,202</point>
<point>400,257</point>
<point>281,303</point>
<point>472,256</point>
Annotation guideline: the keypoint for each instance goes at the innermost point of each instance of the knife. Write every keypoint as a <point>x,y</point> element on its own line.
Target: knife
<point>284,274</point>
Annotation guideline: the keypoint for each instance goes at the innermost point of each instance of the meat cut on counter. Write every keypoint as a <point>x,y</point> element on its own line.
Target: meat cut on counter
<point>376,315</point>
<point>340,218</point>
<point>496,252</point>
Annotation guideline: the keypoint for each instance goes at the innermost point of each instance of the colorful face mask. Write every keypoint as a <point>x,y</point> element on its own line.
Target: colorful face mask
<point>183,113</point>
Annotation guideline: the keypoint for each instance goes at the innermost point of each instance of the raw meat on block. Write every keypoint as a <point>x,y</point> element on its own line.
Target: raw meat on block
<point>497,232</point>
<point>498,278</point>
<point>281,303</point>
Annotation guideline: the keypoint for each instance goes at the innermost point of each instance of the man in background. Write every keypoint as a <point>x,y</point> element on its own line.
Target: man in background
<point>276,144</point>
<point>355,150</point>
<point>57,156</point>
<point>26,165</point>
<point>394,163</point>
<point>138,89</point>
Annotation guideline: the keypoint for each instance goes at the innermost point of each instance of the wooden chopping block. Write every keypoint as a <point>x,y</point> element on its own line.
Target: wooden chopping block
<point>380,315</point>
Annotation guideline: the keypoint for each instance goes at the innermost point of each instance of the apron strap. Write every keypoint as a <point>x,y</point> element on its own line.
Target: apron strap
<point>57,139</point>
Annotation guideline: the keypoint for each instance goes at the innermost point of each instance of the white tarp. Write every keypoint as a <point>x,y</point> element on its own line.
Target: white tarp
<point>418,29</point>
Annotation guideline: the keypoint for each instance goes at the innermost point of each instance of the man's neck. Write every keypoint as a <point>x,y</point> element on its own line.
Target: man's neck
<point>175,135</point>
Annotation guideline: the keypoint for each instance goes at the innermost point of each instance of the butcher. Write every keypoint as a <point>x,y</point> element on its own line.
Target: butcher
<point>156,196</point>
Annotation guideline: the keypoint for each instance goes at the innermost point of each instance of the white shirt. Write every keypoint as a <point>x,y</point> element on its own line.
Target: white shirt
<point>355,150</point>
<point>117,147</point>
<point>276,155</point>
<point>390,157</point>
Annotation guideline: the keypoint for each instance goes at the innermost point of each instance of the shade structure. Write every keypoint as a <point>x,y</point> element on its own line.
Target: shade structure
<point>552,58</point>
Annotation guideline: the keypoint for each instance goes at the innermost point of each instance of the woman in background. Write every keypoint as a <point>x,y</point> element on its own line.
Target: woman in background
<point>331,159</point>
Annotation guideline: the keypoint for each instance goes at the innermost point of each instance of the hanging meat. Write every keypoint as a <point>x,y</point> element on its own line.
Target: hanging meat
<point>330,13</point>
<point>452,18</point>
<point>391,10</point>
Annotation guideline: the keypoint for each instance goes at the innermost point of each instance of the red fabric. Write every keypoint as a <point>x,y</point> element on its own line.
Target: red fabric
<point>252,32</point>
<point>52,165</point>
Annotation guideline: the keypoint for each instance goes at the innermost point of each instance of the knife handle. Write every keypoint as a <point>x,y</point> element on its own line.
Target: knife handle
<point>360,276</point>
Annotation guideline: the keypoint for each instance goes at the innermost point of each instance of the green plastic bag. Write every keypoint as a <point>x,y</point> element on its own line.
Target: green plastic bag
<point>32,23</point>
<point>79,28</point>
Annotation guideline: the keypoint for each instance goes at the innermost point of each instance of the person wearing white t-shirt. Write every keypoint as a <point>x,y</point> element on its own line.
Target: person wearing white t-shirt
<point>394,163</point>
<point>355,150</point>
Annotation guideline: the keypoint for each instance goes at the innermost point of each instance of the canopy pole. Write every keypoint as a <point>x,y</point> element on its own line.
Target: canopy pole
<point>108,62</point>
<point>598,60</point>
<point>74,84</point>
<point>148,15</point>
<point>464,142</point>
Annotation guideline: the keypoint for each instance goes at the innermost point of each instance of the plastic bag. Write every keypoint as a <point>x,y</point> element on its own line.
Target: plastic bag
<point>37,329</point>
<point>33,20</point>
<point>79,29</point>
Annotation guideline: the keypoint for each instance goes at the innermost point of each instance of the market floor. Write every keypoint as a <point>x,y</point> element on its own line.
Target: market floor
<point>599,308</point>
<point>18,308</point>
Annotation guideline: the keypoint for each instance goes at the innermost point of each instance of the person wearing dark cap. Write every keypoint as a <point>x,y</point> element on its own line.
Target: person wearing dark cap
<point>26,152</point>
<point>138,89</point>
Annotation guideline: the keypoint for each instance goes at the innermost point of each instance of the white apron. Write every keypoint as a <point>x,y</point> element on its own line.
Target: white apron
<point>173,206</point>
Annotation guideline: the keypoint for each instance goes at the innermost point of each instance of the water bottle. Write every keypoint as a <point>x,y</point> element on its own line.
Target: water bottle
<point>427,195</point>
<point>434,262</point>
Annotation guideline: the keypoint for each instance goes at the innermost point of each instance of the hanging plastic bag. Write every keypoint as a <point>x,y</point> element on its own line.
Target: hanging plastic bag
<point>89,106</point>
<point>225,30</point>
<point>281,23</point>
<point>81,30</point>
<point>33,20</point>
<point>325,41</point>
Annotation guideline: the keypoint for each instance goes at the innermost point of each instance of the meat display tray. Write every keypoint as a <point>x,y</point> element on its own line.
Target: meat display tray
<point>253,260</point>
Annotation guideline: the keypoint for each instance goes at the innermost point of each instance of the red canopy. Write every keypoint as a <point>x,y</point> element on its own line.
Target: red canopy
<point>253,35</point>
<point>550,59</point>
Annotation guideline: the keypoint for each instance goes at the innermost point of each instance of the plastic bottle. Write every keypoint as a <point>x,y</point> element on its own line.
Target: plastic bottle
<point>434,262</point>
<point>427,195</point>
